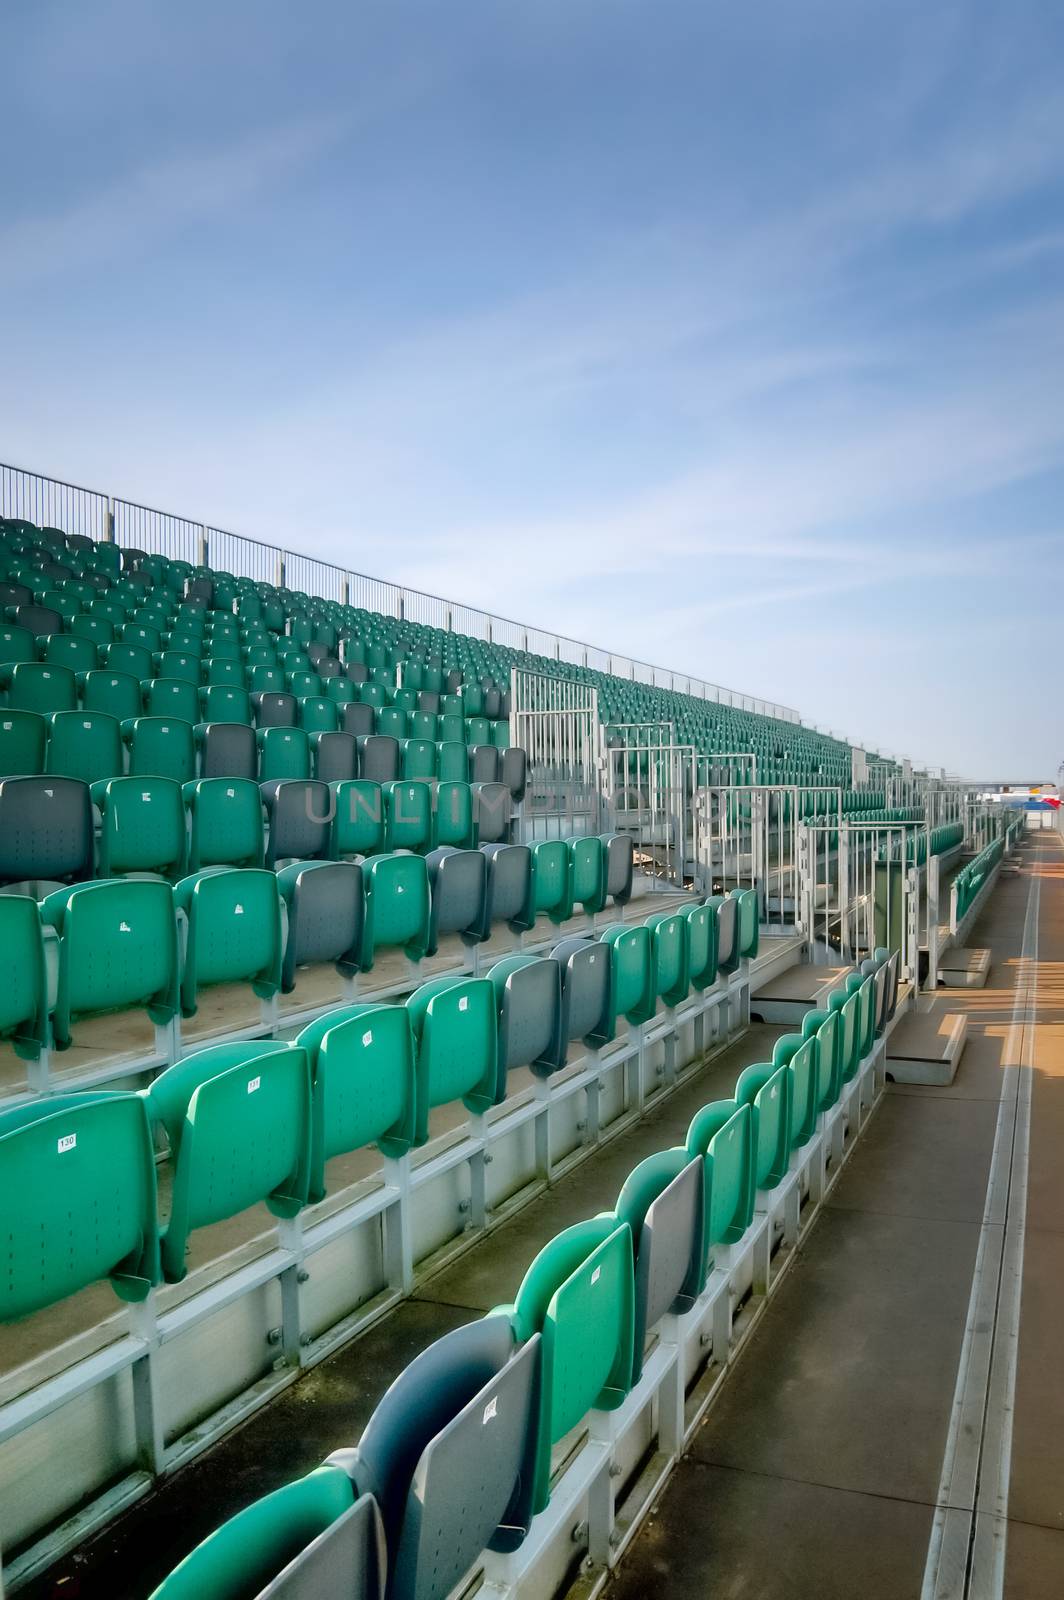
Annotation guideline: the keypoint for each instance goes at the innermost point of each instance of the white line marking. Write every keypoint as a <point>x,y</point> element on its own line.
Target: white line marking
<point>976,1412</point>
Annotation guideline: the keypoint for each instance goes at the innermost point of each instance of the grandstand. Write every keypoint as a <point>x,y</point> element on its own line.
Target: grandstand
<point>478,1023</point>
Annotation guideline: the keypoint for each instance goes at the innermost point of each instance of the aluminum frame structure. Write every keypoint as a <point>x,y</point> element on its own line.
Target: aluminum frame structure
<point>748,839</point>
<point>648,787</point>
<point>556,722</point>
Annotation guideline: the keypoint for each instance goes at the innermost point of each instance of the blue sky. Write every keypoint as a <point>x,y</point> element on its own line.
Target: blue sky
<point>731,338</point>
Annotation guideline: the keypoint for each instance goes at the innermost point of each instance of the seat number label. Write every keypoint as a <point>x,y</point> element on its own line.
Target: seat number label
<point>67,1142</point>
<point>489,1410</point>
<point>253,1084</point>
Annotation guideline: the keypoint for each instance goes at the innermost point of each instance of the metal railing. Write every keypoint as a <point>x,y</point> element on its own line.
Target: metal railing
<point>49,502</point>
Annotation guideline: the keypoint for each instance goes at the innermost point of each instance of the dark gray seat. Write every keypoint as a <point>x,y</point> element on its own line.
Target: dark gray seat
<point>509,896</point>
<point>324,902</point>
<point>348,1561</point>
<point>227,750</point>
<point>514,772</point>
<point>356,719</point>
<point>272,710</point>
<point>727,932</point>
<point>484,764</point>
<point>15,594</point>
<point>448,1456</point>
<point>586,990</point>
<point>492,702</point>
<point>663,1202</point>
<point>378,757</point>
<point>458,881</point>
<point>45,832</point>
<point>618,866</point>
<point>528,995</point>
<point>453,681</point>
<point>357,672</point>
<point>39,620</point>
<point>428,700</point>
<point>300,812</point>
<point>335,757</point>
<point>492,812</point>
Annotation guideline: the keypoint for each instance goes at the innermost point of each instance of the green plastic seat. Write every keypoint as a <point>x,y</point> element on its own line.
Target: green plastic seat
<point>142,826</point>
<point>245,1554</point>
<point>225,823</point>
<point>358,819</point>
<point>160,747</point>
<point>452,763</point>
<point>391,722</point>
<point>847,1006</point>
<point>579,1295</point>
<point>117,946</point>
<point>18,644</point>
<point>454,1024</point>
<point>418,759</point>
<point>225,702</point>
<point>172,697</point>
<point>454,815</point>
<point>178,666</point>
<point>408,816</point>
<point>767,1090</point>
<point>221,668</point>
<point>397,908</point>
<point>364,1090</point>
<point>800,1056</point>
<point>701,946</point>
<point>237,1118</point>
<point>68,650</point>
<point>319,714</point>
<point>77,1200</point>
<point>85,745</point>
<point>863,986</point>
<point>587,874</point>
<point>115,693</point>
<point>23,994</point>
<point>36,686</point>
<point>234,931</point>
<point>722,1132</point>
<point>283,753</point>
<point>266,679</point>
<point>669,931</point>
<point>748,922</point>
<point>632,967</point>
<point>126,657</point>
<point>550,879</point>
<point>824,1026</point>
<point>22,742</point>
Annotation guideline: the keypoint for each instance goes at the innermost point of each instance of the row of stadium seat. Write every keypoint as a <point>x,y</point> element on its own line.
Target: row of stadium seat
<point>92,745</point>
<point>785,751</point>
<point>145,944</point>
<point>300,700</point>
<point>155,825</point>
<point>457,1456</point>
<point>357,1075</point>
<point>145,647</point>
<point>972,876</point>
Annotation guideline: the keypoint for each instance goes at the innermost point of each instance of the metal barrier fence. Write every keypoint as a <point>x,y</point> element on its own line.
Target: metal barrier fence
<point>49,502</point>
